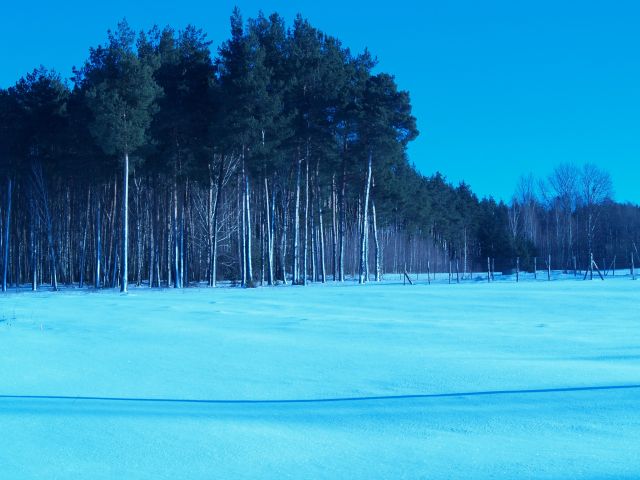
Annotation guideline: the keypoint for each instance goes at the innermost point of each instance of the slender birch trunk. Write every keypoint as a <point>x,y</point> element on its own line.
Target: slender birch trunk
<point>249,274</point>
<point>176,238</point>
<point>334,227</point>
<point>365,225</point>
<point>323,273</point>
<point>210,228</point>
<point>152,235</point>
<point>216,208</point>
<point>240,228</point>
<point>182,248</point>
<point>306,223</point>
<point>84,241</point>
<point>283,244</point>
<point>125,225</point>
<point>139,259</point>
<point>50,241</point>
<point>343,221</point>
<point>34,244</point>
<point>7,224</point>
<point>376,241</point>
<point>296,226</point>
<point>96,280</point>
<point>269,222</point>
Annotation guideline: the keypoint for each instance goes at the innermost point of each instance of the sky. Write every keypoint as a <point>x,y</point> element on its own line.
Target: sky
<point>500,88</point>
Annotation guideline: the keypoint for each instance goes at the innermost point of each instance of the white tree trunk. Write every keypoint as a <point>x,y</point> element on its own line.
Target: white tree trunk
<point>125,224</point>
<point>323,273</point>
<point>296,227</point>
<point>365,225</point>
<point>376,241</point>
<point>248,237</point>
<point>98,242</point>
<point>305,248</point>
<point>7,223</point>
<point>269,233</point>
<point>176,238</point>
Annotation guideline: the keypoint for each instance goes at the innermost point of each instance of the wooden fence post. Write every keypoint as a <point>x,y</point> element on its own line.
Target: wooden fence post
<point>488,269</point>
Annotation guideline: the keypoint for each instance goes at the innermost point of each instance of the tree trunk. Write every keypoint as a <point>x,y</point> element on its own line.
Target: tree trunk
<point>376,242</point>
<point>139,260</point>
<point>182,248</point>
<point>7,224</point>
<point>334,227</point>
<point>323,273</point>
<point>96,280</point>
<point>50,241</point>
<point>343,221</point>
<point>151,214</point>
<point>176,238</point>
<point>306,223</point>
<point>34,244</point>
<point>249,274</point>
<point>125,225</point>
<point>216,208</point>
<point>269,222</point>
<point>240,228</point>
<point>296,227</point>
<point>365,225</point>
<point>84,241</point>
<point>466,250</point>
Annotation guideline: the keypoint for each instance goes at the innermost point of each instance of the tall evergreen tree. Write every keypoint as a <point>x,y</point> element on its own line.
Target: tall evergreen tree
<point>43,98</point>
<point>385,127</point>
<point>11,144</point>
<point>122,96</point>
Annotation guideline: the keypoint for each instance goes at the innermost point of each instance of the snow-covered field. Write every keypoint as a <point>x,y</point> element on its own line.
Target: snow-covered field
<point>478,381</point>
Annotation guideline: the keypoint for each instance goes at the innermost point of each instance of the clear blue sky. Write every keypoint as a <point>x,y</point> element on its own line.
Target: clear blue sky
<point>500,88</point>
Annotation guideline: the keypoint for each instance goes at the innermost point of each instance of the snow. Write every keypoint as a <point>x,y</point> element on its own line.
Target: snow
<point>476,352</point>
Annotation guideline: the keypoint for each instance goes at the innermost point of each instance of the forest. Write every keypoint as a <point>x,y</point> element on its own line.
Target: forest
<point>278,158</point>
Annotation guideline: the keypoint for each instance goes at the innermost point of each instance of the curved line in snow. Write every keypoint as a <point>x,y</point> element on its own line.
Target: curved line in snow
<point>324,400</point>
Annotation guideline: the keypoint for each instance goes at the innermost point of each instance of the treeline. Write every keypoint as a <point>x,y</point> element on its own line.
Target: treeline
<point>570,216</point>
<point>280,159</point>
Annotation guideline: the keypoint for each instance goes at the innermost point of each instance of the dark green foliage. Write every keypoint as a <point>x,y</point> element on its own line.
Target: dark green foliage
<point>11,132</point>
<point>42,101</point>
<point>121,93</point>
<point>184,72</point>
<point>211,133</point>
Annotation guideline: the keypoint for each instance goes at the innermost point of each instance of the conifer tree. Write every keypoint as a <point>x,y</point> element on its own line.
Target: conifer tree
<point>122,95</point>
<point>42,97</point>
<point>11,143</point>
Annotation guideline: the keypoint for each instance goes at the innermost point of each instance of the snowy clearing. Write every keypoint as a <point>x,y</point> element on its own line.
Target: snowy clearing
<point>506,372</point>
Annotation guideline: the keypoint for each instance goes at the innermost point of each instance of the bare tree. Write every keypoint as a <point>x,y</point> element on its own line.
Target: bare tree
<point>563,186</point>
<point>527,199</point>
<point>595,188</point>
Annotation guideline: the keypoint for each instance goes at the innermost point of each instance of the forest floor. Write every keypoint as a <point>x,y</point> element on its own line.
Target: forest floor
<point>534,379</point>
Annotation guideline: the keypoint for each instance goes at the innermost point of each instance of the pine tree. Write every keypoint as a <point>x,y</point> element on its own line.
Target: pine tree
<point>11,143</point>
<point>122,95</point>
<point>42,97</point>
<point>385,127</point>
